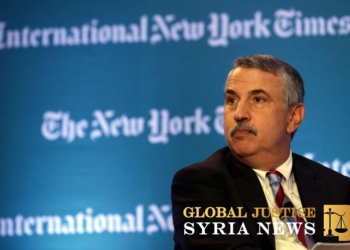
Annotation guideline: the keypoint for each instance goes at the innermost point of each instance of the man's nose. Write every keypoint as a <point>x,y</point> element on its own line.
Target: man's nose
<point>242,111</point>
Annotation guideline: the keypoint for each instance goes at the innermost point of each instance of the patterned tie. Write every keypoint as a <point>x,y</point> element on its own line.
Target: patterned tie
<point>282,200</point>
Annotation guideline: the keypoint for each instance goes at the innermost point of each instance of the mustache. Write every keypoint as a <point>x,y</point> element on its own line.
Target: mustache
<point>240,125</point>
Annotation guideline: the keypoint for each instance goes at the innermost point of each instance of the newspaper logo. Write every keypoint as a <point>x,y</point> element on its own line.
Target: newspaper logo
<point>336,218</point>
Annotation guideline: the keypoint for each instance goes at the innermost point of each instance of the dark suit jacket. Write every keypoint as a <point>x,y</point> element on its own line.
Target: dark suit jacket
<point>222,181</point>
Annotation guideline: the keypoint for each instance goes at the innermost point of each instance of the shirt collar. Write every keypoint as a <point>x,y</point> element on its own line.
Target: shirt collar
<point>285,169</point>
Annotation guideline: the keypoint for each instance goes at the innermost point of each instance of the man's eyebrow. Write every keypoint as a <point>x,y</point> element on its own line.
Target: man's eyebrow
<point>252,92</point>
<point>259,91</point>
<point>230,91</point>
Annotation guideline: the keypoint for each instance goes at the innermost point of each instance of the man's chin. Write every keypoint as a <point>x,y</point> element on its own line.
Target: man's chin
<point>242,150</point>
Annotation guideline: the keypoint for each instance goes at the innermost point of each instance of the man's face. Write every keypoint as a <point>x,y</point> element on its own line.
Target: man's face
<point>254,103</point>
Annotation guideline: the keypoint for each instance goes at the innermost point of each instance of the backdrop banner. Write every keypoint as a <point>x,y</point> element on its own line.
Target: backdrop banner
<point>103,101</point>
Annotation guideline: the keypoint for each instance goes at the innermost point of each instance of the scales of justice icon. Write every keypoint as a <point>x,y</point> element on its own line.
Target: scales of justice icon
<point>340,228</point>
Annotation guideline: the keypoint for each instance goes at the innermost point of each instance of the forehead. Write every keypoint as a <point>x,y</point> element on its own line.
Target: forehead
<point>250,79</point>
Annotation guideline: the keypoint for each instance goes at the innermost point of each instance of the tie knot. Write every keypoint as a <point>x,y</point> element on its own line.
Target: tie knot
<point>274,177</point>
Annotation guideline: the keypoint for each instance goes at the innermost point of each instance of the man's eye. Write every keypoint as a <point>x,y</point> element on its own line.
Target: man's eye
<point>231,100</point>
<point>259,99</point>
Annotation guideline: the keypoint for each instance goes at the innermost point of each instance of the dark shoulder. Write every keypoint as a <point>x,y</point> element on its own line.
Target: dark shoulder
<point>320,170</point>
<point>214,164</point>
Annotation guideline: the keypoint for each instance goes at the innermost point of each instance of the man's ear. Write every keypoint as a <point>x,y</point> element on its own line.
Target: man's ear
<point>295,117</point>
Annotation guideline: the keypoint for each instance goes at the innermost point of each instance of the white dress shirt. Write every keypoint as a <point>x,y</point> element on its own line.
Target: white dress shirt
<point>284,241</point>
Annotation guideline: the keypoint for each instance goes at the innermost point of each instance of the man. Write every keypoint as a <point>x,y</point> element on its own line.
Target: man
<point>262,111</point>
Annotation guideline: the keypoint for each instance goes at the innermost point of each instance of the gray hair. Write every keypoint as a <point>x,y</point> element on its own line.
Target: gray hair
<point>292,83</point>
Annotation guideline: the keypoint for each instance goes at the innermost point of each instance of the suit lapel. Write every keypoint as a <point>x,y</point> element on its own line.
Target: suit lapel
<point>312,194</point>
<point>250,190</point>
